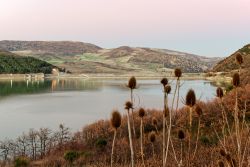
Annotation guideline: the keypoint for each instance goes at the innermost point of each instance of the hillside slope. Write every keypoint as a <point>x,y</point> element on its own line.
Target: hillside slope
<point>78,57</point>
<point>11,63</point>
<point>228,64</point>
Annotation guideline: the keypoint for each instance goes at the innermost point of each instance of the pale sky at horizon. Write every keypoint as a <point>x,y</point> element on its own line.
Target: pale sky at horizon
<point>203,27</point>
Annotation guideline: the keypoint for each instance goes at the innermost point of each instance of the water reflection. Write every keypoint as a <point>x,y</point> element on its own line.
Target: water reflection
<point>12,87</point>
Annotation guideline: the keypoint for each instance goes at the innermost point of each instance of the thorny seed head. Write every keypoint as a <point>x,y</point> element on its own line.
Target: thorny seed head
<point>239,58</point>
<point>152,137</point>
<point>167,89</point>
<point>198,110</point>
<point>181,134</point>
<point>141,112</point>
<point>228,158</point>
<point>164,81</point>
<point>177,72</point>
<point>223,152</point>
<point>190,98</point>
<point>236,79</point>
<point>128,105</point>
<point>219,92</point>
<point>154,121</point>
<point>132,83</point>
<point>221,164</point>
<point>116,119</point>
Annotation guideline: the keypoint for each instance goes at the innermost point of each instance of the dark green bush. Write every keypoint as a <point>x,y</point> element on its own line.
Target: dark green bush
<point>101,143</point>
<point>71,156</point>
<point>21,162</point>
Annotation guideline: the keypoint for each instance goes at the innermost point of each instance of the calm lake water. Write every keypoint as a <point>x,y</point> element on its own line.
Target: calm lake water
<point>77,102</point>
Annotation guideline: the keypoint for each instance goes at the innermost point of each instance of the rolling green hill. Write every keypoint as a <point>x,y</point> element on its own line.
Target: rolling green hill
<point>12,63</point>
<point>79,57</point>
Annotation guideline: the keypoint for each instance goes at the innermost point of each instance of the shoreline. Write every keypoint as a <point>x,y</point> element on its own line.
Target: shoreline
<point>218,79</point>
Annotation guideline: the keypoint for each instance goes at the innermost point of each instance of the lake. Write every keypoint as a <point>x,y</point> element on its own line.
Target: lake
<point>78,102</point>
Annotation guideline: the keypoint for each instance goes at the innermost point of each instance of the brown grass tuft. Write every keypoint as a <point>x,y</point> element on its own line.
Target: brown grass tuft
<point>198,110</point>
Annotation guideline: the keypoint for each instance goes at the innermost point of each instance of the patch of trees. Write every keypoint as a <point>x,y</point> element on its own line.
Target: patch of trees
<point>21,65</point>
<point>35,144</point>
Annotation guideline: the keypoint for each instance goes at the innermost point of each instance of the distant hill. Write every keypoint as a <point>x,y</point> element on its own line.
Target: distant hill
<point>50,47</point>
<point>228,64</point>
<point>12,63</point>
<point>79,57</point>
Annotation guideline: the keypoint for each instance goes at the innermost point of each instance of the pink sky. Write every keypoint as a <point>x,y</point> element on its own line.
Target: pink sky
<point>205,27</point>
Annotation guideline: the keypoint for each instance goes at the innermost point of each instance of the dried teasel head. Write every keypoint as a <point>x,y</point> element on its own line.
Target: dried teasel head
<point>177,72</point>
<point>116,119</point>
<point>223,153</point>
<point>152,137</point>
<point>128,105</point>
<point>236,79</point>
<point>154,121</point>
<point>219,92</point>
<point>221,164</point>
<point>228,158</point>
<point>239,58</point>
<point>132,83</point>
<point>198,110</point>
<point>181,134</point>
<point>164,81</point>
<point>167,89</point>
<point>190,98</point>
<point>141,112</point>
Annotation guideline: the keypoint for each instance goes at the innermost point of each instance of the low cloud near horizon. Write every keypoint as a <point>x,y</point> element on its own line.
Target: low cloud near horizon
<point>207,27</point>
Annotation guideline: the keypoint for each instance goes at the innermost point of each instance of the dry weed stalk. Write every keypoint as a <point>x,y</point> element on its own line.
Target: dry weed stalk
<point>141,115</point>
<point>128,106</point>
<point>132,85</point>
<point>178,74</point>
<point>115,123</point>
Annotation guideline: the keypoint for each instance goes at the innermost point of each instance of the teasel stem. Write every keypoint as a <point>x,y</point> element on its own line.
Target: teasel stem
<point>132,114</point>
<point>130,140</point>
<point>197,138</point>
<point>190,133</point>
<point>170,123</point>
<point>141,131</point>
<point>164,128</point>
<point>236,121</point>
<point>113,146</point>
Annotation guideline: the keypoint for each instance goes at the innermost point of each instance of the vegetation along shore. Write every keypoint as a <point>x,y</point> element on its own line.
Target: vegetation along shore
<point>215,133</point>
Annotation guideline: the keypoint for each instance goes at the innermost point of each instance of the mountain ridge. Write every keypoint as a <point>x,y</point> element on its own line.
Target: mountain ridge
<point>80,57</point>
